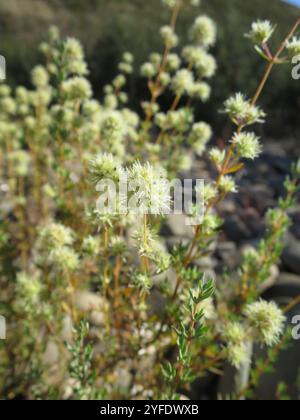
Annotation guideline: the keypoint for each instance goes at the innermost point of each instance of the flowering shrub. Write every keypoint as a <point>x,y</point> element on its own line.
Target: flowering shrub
<point>77,283</point>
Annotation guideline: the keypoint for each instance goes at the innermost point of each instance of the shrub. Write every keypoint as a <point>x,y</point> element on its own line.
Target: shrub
<point>65,261</point>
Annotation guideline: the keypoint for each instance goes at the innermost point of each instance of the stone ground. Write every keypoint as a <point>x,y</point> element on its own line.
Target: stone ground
<point>260,187</point>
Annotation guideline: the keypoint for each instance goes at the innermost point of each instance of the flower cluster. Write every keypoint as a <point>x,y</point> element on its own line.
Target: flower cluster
<point>261,31</point>
<point>242,112</point>
<point>267,321</point>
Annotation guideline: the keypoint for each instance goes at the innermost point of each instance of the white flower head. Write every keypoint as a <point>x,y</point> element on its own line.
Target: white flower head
<point>183,82</point>
<point>267,321</point>
<point>148,70</point>
<point>293,47</point>
<point>200,135</point>
<point>56,236</point>
<point>261,31</point>
<point>204,31</point>
<point>217,156</point>
<point>169,36</point>
<point>247,145</point>
<point>237,355</point>
<point>105,166</point>
<point>228,185</point>
<point>151,187</point>
<point>64,259</point>
<point>40,77</point>
<point>77,88</point>
<point>242,112</point>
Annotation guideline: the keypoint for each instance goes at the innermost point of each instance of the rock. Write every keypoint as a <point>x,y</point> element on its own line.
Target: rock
<point>51,355</point>
<point>176,226</point>
<point>291,256</point>
<point>288,278</point>
<point>97,318</point>
<point>228,254</point>
<point>274,274</point>
<point>235,229</point>
<point>88,301</point>
<point>67,330</point>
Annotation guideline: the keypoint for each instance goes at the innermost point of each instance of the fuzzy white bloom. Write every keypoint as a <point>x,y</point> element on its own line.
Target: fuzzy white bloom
<point>143,282</point>
<point>5,90</point>
<point>152,188</point>
<point>119,81</point>
<point>64,259</point>
<point>242,112</point>
<point>217,156</point>
<point>8,105</point>
<point>261,31</point>
<point>204,63</point>
<point>152,248</point>
<point>29,287</point>
<point>183,82</point>
<point>74,57</point>
<point>211,223</point>
<point>125,68</point>
<point>91,108</point>
<point>228,185</point>
<point>20,162</point>
<point>77,88</point>
<point>247,145</point>
<point>118,245</point>
<point>201,90</point>
<point>169,3</point>
<point>200,135</point>
<point>165,78</point>
<point>204,31</point>
<point>267,320</point>
<point>173,62</point>
<point>156,59</point>
<point>148,70</point>
<point>293,47</point>
<point>235,335</point>
<point>209,192</point>
<point>237,355</point>
<point>169,36</point>
<point>111,102</point>
<point>91,245</point>
<point>128,57</point>
<point>112,126</point>
<point>73,49</point>
<point>56,236</point>
<point>40,77</point>
<point>184,163</point>
<point>22,95</point>
<point>105,166</point>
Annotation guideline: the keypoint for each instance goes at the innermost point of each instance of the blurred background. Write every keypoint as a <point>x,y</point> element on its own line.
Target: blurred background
<point>109,27</point>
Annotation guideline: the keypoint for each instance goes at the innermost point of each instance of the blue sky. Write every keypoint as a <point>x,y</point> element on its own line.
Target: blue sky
<point>296,2</point>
